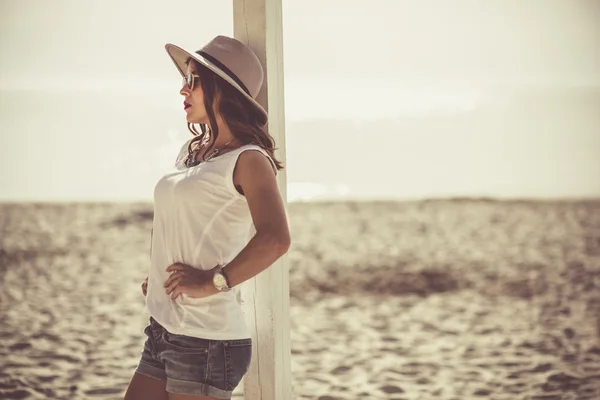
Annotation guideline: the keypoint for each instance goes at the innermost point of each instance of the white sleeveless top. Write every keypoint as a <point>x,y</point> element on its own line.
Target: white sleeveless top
<point>200,219</point>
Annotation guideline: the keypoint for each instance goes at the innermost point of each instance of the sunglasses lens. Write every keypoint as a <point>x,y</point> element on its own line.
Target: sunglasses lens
<point>188,80</point>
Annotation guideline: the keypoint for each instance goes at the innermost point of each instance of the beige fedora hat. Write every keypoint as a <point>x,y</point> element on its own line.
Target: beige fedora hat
<point>229,58</point>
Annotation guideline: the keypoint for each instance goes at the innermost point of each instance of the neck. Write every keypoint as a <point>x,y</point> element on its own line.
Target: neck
<point>225,136</point>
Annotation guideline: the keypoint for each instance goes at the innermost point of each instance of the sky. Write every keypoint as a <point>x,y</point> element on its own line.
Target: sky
<point>467,41</point>
<point>65,63</point>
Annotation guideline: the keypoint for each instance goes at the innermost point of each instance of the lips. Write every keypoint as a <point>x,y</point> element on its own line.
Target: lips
<point>186,105</point>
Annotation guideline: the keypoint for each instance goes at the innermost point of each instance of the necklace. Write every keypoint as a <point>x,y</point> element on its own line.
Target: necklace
<point>191,160</point>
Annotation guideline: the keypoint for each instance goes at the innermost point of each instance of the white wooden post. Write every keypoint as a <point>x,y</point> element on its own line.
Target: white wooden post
<point>265,298</point>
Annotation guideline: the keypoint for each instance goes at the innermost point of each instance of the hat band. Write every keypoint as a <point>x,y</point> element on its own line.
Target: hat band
<point>223,68</point>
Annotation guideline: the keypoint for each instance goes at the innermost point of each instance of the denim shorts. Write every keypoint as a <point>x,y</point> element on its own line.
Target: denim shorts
<point>192,365</point>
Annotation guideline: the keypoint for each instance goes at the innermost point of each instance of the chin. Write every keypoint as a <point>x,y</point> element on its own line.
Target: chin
<point>196,120</point>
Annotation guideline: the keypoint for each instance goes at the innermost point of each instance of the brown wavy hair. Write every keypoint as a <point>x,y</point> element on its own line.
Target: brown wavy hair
<point>246,122</point>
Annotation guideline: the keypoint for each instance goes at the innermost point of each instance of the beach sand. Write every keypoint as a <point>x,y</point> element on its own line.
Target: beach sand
<point>446,299</point>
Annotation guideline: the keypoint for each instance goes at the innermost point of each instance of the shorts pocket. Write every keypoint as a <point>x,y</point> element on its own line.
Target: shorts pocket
<point>185,344</point>
<point>148,331</point>
<point>238,354</point>
<point>149,344</point>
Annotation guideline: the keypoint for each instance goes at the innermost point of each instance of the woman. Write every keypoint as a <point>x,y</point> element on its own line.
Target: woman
<point>206,209</point>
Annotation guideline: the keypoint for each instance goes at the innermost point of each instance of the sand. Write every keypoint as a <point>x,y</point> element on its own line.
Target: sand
<point>446,299</point>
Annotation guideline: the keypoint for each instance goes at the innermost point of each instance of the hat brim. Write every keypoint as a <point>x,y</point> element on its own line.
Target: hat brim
<point>179,57</point>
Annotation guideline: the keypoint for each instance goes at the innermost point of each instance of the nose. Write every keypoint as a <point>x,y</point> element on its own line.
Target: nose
<point>185,90</point>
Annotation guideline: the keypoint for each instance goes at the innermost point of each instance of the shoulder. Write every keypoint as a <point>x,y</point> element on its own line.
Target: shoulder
<point>255,159</point>
<point>185,145</point>
<point>254,167</point>
<point>183,151</point>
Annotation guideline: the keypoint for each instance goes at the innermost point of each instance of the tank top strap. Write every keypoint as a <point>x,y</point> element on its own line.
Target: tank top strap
<point>246,147</point>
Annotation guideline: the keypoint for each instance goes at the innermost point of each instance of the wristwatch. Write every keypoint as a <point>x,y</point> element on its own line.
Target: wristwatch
<point>220,281</point>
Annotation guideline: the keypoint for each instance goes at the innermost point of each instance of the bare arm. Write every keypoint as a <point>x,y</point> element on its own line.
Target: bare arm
<point>255,175</point>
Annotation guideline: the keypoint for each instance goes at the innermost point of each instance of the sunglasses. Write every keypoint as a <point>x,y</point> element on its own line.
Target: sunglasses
<point>189,80</point>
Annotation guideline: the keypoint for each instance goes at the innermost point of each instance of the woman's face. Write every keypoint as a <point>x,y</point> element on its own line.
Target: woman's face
<point>194,99</point>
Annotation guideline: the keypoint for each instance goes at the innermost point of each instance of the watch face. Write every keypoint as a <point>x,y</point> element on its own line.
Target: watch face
<point>219,281</point>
